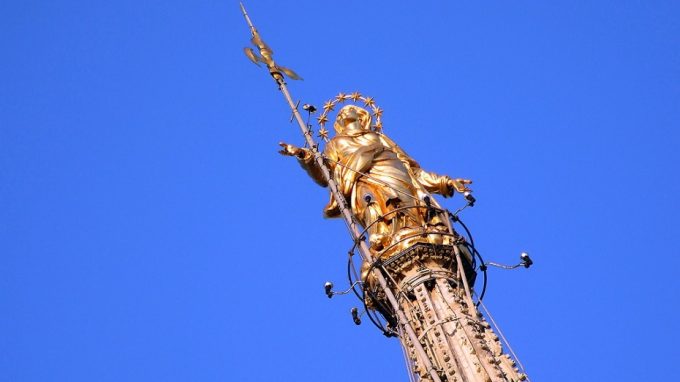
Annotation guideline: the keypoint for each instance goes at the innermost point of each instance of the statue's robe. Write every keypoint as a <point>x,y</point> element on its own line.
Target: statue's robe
<point>376,176</point>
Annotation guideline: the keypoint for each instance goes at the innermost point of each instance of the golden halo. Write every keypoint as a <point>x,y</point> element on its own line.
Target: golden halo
<point>341,99</point>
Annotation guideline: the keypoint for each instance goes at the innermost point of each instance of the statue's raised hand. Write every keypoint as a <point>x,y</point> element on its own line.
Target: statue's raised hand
<point>291,150</point>
<point>460,185</point>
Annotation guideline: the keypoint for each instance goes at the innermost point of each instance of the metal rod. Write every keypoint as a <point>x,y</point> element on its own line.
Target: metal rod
<point>250,23</point>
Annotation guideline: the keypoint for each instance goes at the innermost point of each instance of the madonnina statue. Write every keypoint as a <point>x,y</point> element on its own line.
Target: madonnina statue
<point>383,185</point>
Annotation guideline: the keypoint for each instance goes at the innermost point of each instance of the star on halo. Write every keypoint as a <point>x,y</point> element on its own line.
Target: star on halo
<point>328,106</point>
<point>355,96</point>
<point>323,133</point>
<point>369,101</point>
<point>322,119</point>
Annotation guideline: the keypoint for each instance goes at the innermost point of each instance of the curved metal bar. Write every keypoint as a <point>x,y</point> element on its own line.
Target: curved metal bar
<point>483,269</point>
<point>369,312</point>
<point>459,221</point>
<point>503,266</point>
<point>350,266</point>
<point>346,291</point>
<point>353,286</point>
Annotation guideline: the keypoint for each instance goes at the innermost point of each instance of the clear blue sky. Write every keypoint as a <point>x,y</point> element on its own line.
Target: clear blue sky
<point>149,231</point>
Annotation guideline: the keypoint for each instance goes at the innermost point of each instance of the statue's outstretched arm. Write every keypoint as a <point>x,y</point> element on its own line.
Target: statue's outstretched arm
<point>441,184</point>
<point>306,160</point>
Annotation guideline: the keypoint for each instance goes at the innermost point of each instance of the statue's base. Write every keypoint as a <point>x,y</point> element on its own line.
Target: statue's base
<point>425,261</point>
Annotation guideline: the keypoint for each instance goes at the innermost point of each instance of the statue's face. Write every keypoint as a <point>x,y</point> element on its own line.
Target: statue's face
<point>352,117</point>
<point>348,115</point>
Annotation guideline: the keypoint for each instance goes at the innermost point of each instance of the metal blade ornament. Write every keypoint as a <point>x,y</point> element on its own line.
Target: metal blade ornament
<point>257,41</point>
<point>266,53</point>
<point>290,73</point>
<point>251,55</point>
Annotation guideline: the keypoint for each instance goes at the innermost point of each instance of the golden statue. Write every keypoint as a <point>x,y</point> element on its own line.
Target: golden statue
<point>386,189</point>
<point>416,270</point>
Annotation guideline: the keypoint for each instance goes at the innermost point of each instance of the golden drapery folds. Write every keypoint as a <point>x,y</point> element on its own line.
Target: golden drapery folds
<point>385,188</point>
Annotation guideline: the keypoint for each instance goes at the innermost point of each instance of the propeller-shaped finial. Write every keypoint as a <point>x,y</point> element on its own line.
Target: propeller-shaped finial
<point>265,52</point>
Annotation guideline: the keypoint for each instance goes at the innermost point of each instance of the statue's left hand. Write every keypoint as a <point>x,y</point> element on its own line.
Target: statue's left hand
<point>460,185</point>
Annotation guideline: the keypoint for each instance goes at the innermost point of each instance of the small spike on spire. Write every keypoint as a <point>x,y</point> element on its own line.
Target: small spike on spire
<point>250,23</point>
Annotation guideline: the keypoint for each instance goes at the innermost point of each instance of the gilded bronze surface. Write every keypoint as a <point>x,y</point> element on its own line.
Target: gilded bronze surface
<point>387,190</point>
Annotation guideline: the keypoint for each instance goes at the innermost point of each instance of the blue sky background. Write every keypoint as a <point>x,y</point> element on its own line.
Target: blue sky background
<point>149,231</point>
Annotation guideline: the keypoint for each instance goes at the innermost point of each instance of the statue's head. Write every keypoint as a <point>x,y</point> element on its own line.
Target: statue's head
<point>352,117</point>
